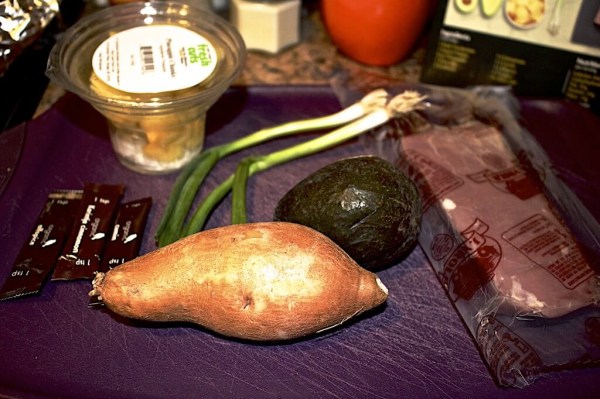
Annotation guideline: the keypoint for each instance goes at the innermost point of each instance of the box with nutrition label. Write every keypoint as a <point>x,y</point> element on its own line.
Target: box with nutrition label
<point>153,69</point>
<point>538,47</point>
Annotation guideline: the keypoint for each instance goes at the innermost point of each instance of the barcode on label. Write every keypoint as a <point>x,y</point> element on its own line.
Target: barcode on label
<point>147,56</point>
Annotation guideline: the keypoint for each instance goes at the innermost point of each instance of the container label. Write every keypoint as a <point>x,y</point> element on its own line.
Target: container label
<point>154,59</point>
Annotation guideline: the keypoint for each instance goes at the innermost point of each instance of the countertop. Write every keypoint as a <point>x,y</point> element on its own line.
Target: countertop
<point>311,62</point>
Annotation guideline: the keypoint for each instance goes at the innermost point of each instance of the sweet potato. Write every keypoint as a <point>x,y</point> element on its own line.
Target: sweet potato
<point>266,281</point>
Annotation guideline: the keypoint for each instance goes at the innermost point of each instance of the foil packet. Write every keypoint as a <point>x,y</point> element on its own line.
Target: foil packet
<point>127,234</point>
<point>21,23</point>
<point>126,238</point>
<point>82,252</point>
<point>40,251</point>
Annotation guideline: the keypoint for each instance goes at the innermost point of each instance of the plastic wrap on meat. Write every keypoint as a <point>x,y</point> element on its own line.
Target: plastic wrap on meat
<point>515,273</point>
<point>493,226</point>
<point>489,226</point>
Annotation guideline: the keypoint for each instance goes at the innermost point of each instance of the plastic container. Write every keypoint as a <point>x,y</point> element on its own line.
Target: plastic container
<point>153,70</point>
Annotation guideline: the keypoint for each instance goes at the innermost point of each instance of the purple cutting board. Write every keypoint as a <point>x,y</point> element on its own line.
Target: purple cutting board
<point>53,345</point>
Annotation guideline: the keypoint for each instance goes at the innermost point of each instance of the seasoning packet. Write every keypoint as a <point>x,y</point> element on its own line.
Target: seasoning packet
<point>80,258</point>
<point>126,238</point>
<point>127,234</point>
<point>40,252</point>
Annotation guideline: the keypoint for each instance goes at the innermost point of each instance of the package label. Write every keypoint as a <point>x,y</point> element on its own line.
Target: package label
<point>154,59</point>
<point>539,47</point>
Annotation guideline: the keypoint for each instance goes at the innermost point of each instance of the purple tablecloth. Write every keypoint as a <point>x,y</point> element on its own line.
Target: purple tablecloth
<point>53,345</point>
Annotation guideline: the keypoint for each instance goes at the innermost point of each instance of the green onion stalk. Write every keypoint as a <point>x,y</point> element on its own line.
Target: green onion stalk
<point>190,179</point>
<point>237,182</point>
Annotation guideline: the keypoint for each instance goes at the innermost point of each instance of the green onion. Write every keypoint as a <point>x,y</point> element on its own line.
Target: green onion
<point>242,173</point>
<point>401,104</point>
<point>182,196</point>
<point>191,178</point>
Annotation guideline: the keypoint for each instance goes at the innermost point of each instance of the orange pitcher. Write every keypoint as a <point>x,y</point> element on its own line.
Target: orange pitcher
<point>376,32</point>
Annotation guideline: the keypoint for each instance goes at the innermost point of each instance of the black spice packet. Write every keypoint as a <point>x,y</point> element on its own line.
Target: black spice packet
<point>127,235</point>
<point>126,238</point>
<point>40,252</point>
<point>80,258</point>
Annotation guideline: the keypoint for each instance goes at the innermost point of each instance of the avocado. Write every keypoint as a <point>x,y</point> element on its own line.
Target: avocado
<point>364,204</point>
<point>466,6</point>
<point>490,7</point>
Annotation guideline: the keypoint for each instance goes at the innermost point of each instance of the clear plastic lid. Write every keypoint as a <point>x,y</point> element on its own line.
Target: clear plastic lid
<point>75,61</point>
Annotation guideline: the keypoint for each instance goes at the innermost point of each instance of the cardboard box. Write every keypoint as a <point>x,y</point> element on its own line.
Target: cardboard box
<point>521,43</point>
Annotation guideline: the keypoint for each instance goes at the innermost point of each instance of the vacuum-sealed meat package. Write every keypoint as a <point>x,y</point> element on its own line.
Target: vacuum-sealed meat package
<point>507,260</point>
<point>487,220</point>
<point>516,252</point>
